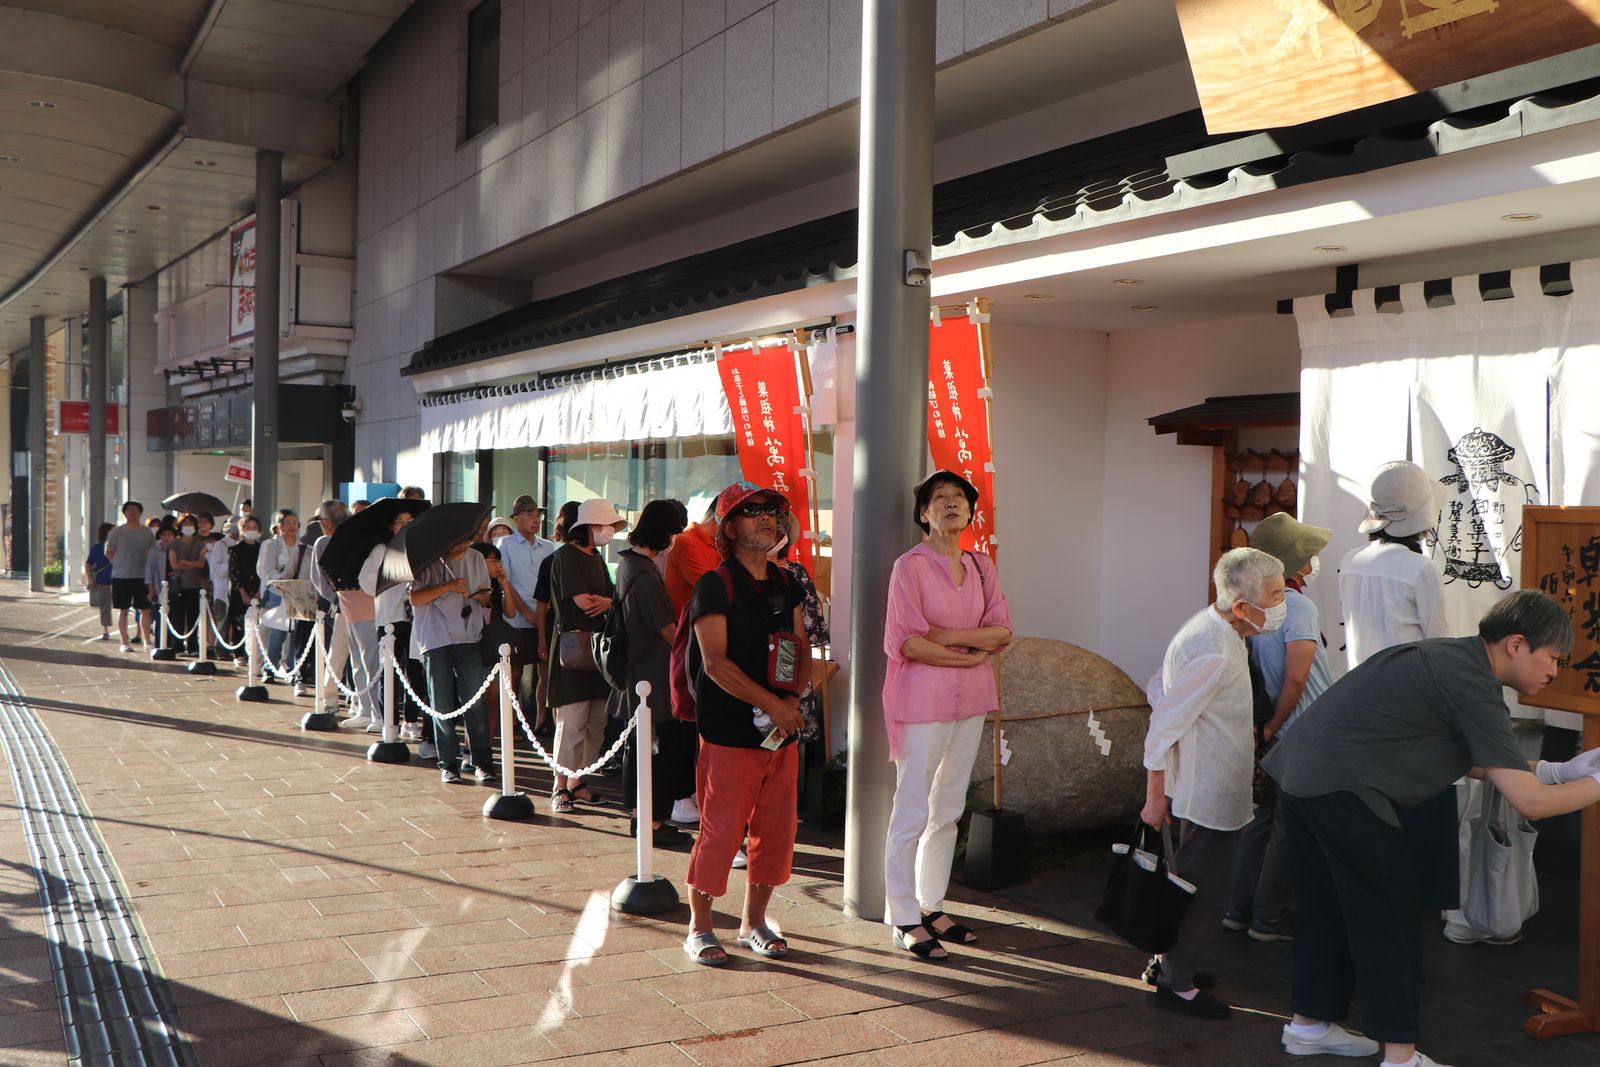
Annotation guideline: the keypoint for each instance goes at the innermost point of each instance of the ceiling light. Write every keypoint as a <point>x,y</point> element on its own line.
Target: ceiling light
<point>1126,281</point>
<point>252,48</point>
<point>1144,307</point>
<point>1037,296</point>
<point>124,229</point>
<point>152,207</point>
<point>10,159</point>
<point>1520,216</point>
<point>1330,248</point>
<point>205,162</point>
<point>41,105</point>
<point>51,292</point>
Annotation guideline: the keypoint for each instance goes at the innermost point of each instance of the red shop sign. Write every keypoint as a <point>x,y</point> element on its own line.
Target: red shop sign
<point>763,388</point>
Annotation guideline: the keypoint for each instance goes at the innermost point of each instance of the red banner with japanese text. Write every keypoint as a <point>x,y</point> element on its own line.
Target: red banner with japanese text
<point>763,389</point>
<point>958,419</point>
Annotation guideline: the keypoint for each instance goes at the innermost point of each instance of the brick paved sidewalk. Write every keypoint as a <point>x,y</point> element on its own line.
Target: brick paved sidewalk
<point>309,908</point>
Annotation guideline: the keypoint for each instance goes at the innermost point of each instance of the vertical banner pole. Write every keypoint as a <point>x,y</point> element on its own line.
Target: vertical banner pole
<point>804,354</point>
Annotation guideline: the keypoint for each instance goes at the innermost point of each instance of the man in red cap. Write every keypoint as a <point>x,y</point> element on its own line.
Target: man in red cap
<point>748,714</point>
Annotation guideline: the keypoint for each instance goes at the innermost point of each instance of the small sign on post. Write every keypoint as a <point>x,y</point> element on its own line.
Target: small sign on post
<point>239,470</point>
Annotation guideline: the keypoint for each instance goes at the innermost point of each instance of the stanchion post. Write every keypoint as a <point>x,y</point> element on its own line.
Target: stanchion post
<point>252,691</point>
<point>644,893</point>
<point>161,651</point>
<point>317,718</point>
<point>202,622</point>
<point>508,803</point>
<point>391,749</point>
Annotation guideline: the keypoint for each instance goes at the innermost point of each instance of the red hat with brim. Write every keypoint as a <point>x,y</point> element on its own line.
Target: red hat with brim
<point>737,493</point>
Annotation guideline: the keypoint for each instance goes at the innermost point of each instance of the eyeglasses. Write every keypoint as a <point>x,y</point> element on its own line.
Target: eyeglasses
<point>750,511</point>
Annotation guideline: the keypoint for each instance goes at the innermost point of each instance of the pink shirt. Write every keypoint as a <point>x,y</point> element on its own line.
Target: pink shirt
<point>922,595</point>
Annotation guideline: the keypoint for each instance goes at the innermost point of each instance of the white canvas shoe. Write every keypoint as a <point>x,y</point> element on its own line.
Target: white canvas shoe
<point>1336,1042</point>
<point>685,812</point>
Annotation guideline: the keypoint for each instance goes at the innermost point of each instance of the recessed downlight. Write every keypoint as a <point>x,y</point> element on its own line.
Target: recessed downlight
<point>1521,216</point>
<point>152,207</point>
<point>1330,248</point>
<point>1037,296</point>
<point>10,159</point>
<point>125,229</point>
<point>205,162</point>
<point>1144,307</point>
<point>42,105</point>
<point>1126,281</point>
<point>253,48</point>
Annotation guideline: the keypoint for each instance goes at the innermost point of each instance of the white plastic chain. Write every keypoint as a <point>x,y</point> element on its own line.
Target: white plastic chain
<point>549,760</point>
<point>166,620</point>
<point>235,646</point>
<point>423,704</point>
<point>329,676</point>
<point>272,668</point>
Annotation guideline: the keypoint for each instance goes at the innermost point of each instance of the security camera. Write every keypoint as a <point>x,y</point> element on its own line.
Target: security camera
<point>349,410</point>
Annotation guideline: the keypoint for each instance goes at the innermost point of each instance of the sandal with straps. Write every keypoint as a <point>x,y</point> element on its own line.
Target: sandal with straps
<point>698,944</point>
<point>955,932</point>
<point>765,942</point>
<point>561,801</point>
<point>927,948</point>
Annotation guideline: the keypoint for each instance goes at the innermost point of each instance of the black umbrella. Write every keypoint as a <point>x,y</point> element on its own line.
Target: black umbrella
<point>354,539</point>
<point>197,502</point>
<point>427,539</point>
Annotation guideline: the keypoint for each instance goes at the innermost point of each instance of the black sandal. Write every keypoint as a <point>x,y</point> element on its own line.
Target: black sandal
<point>955,932</point>
<point>928,948</point>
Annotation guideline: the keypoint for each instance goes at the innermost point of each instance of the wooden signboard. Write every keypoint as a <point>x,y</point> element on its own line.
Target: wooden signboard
<point>1260,64</point>
<point>1561,555</point>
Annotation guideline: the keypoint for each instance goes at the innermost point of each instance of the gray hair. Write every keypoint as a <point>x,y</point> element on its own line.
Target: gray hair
<point>1240,574</point>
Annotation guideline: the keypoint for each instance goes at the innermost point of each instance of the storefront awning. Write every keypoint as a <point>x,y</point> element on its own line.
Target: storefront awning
<point>629,405</point>
<point>1204,423</point>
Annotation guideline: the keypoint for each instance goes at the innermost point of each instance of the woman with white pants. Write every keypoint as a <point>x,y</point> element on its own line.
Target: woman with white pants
<point>947,617</point>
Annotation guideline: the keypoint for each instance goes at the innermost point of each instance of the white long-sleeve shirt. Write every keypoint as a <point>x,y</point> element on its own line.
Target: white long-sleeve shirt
<point>320,581</point>
<point>389,606</point>
<point>1201,722</point>
<point>1390,596</point>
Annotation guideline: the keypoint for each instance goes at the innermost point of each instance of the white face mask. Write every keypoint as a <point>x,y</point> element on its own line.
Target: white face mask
<point>188,531</point>
<point>1274,616</point>
<point>252,535</point>
<point>600,536</point>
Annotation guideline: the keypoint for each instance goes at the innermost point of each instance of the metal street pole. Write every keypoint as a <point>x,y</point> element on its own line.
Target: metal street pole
<point>38,457</point>
<point>264,423</point>
<point>897,59</point>
<point>98,339</point>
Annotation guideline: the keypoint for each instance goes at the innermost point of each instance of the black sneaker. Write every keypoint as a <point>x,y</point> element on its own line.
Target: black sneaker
<point>485,776</point>
<point>450,776</point>
<point>1152,972</point>
<point>1203,1006</point>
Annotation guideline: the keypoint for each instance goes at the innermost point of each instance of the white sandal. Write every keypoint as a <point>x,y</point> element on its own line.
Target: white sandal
<point>698,944</point>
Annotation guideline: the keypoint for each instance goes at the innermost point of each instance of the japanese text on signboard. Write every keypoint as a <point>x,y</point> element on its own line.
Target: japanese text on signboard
<point>763,393</point>
<point>1561,557</point>
<point>242,281</point>
<point>958,420</point>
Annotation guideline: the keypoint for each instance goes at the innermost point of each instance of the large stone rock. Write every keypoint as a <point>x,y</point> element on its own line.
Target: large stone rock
<point>1057,775</point>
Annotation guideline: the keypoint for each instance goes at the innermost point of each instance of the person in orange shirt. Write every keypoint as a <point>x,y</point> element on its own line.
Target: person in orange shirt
<point>694,552</point>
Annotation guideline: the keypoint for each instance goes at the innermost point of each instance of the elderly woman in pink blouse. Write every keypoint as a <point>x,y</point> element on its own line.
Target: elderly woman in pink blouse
<point>947,617</point>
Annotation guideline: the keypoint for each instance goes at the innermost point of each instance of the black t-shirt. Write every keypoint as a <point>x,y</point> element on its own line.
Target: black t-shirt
<point>758,609</point>
<point>1400,728</point>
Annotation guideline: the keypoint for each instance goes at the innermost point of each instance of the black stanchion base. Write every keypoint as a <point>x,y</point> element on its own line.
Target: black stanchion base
<point>165,655</point>
<point>515,806</point>
<point>388,752</point>
<point>997,849</point>
<point>202,666</point>
<point>251,694</point>
<point>325,720</point>
<point>633,897</point>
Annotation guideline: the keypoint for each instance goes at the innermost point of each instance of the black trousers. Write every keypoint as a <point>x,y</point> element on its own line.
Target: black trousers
<point>671,772</point>
<point>185,606</point>
<point>1356,924</point>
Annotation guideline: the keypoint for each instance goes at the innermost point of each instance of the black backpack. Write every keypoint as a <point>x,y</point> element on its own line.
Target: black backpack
<point>610,646</point>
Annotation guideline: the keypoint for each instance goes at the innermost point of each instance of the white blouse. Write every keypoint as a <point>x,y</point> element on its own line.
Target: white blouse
<point>1390,596</point>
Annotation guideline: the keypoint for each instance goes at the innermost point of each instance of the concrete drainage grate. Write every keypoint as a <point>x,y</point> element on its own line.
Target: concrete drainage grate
<point>116,1010</point>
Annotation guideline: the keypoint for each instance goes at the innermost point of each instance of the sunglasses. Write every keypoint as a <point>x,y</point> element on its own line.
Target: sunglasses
<point>751,511</point>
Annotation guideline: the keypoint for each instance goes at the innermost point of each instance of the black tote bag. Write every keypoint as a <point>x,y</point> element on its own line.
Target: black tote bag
<point>1145,901</point>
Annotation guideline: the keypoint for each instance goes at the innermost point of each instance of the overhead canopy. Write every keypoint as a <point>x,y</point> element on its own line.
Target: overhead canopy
<point>678,401</point>
<point>1205,423</point>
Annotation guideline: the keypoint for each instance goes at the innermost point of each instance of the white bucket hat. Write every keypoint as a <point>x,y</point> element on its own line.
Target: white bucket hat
<point>599,512</point>
<point>1403,500</point>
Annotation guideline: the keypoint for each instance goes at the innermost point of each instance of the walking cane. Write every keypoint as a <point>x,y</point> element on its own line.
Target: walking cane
<point>508,803</point>
<point>391,749</point>
<point>643,893</point>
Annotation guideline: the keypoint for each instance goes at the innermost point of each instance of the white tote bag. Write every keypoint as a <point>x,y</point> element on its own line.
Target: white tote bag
<point>1499,889</point>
